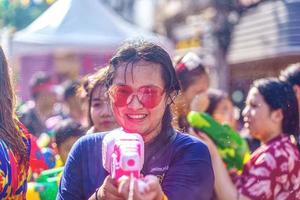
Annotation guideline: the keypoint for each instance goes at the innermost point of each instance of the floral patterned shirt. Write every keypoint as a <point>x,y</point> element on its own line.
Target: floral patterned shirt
<point>13,174</point>
<point>273,172</point>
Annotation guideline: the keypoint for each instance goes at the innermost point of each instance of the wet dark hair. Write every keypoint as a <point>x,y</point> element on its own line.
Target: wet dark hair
<point>215,97</point>
<point>135,51</point>
<point>66,129</point>
<point>291,74</point>
<point>280,95</point>
<point>188,76</point>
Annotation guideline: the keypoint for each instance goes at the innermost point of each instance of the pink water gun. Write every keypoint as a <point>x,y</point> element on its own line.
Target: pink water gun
<point>123,154</point>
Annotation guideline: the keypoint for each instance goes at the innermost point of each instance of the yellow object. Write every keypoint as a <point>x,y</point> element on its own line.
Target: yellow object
<point>44,140</point>
<point>164,197</point>
<point>31,192</point>
<point>58,162</point>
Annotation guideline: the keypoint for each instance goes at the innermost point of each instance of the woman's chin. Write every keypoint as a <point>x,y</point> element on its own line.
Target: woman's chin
<point>130,130</point>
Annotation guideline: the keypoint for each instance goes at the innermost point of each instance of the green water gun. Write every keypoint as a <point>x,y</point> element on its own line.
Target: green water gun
<point>232,147</point>
<point>46,185</point>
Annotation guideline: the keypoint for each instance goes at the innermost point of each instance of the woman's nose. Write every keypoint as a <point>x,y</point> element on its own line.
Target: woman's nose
<point>134,102</point>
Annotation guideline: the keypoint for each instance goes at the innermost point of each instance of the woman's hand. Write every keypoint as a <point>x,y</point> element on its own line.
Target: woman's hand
<point>147,188</point>
<point>109,190</point>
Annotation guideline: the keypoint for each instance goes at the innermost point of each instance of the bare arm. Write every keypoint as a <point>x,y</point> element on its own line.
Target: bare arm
<point>224,187</point>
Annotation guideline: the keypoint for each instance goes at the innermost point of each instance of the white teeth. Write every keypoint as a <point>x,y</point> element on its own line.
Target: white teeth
<point>137,116</point>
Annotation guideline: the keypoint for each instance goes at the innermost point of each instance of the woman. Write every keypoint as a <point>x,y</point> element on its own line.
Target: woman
<point>221,108</point>
<point>14,146</point>
<point>142,84</point>
<point>271,115</point>
<point>194,80</point>
<point>99,113</point>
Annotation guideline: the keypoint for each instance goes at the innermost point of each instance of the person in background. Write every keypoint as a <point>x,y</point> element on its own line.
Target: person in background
<point>33,114</point>
<point>67,132</point>
<point>194,80</point>
<point>142,84</point>
<point>292,75</point>
<point>219,106</point>
<point>14,142</point>
<point>271,115</point>
<point>100,116</point>
<point>74,107</point>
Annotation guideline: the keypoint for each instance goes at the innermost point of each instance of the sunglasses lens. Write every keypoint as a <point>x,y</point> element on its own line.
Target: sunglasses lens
<point>149,96</point>
<point>120,94</point>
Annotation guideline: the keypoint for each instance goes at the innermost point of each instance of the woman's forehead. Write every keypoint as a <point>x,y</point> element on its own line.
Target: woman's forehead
<point>141,71</point>
<point>99,90</point>
<point>254,94</point>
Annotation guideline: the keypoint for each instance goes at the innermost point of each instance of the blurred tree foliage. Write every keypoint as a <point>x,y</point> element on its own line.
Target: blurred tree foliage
<point>20,13</point>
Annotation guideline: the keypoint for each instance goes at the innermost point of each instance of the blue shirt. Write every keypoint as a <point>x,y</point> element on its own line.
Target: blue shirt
<point>181,162</point>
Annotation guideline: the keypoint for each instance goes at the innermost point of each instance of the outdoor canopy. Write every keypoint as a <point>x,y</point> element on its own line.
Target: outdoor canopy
<point>78,25</point>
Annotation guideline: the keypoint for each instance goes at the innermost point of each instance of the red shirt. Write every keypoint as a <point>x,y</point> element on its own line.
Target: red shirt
<point>273,172</point>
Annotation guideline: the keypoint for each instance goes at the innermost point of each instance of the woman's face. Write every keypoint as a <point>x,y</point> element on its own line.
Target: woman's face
<point>224,113</point>
<point>101,114</point>
<point>199,85</point>
<point>134,116</point>
<point>257,116</point>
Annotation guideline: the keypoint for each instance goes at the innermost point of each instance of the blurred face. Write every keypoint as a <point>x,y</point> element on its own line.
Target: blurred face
<point>47,99</point>
<point>257,116</point>
<point>65,147</point>
<point>200,102</point>
<point>101,114</point>
<point>199,85</point>
<point>140,101</point>
<point>224,113</point>
<point>74,103</point>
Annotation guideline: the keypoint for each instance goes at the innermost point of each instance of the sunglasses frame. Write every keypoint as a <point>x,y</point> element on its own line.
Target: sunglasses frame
<point>155,100</point>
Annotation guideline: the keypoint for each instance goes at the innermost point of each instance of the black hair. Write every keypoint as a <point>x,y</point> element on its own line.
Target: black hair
<point>291,74</point>
<point>66,129</point>
<point>135,51</point>
<point>70,89</point>
<point>280,95</point>
<point>36,80</point>
<point>188,76</point>
<point>215,97</point>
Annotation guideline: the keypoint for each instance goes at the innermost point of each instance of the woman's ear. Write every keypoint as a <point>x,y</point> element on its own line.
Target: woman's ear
<point>277,116</point>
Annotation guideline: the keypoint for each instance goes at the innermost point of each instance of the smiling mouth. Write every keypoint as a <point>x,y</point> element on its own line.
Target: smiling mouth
<point>137,117</point>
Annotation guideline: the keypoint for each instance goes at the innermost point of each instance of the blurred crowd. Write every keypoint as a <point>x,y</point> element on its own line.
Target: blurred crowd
<point>59,114</point>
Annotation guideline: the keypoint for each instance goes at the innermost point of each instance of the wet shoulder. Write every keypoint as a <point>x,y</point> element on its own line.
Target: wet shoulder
<point>184,139</point>
<point>92,138</point>
<point>190,145</point>
<point>89,144</point>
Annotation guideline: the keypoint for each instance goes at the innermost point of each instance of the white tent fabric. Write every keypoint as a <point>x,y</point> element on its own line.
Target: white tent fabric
<point>76,25</point>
